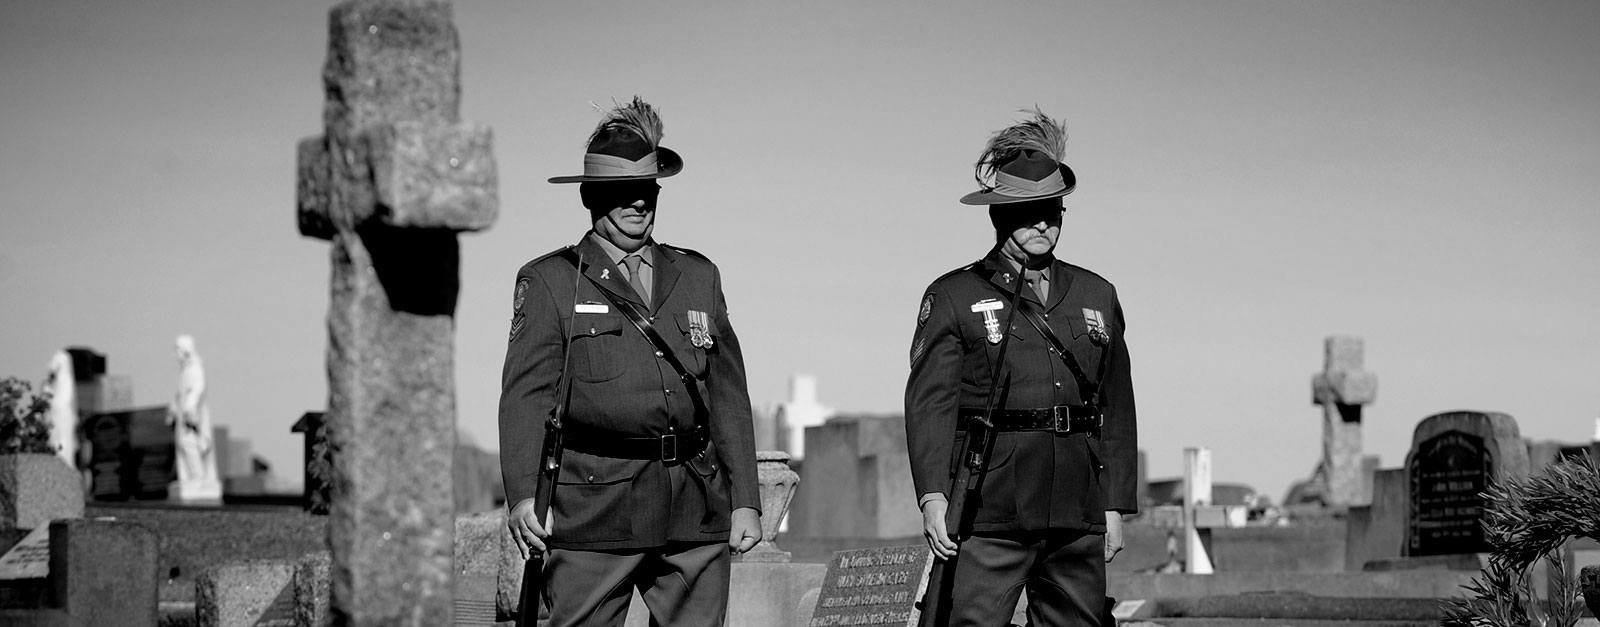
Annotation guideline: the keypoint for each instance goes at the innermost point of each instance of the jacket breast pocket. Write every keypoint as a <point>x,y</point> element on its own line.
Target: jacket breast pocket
<point>696,342</point>
<point>597,347</point>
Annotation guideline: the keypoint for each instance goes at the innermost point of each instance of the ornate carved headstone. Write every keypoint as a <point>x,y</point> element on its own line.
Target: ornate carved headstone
<point>1454,457</point>
<point>392,180</point>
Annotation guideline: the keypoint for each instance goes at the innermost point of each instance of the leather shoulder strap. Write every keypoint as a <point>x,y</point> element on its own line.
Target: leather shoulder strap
<point>648,330</point>
<point>1088,390</point>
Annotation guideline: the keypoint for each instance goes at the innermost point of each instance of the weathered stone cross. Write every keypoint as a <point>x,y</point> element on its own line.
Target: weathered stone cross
<point>1341,389</point>
<point>392,180</point>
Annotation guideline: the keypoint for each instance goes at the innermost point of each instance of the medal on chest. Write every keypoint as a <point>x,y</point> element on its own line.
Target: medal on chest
<point>1096,323</point>
<point>987,307</point>
<point>699,329</point>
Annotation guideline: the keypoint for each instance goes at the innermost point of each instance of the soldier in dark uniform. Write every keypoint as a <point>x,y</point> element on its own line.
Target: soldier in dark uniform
<point>1063,466</point>
<point>653,493</point>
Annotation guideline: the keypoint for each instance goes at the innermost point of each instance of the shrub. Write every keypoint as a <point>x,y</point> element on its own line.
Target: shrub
<point>1528,521</point>
<point>24,418</point>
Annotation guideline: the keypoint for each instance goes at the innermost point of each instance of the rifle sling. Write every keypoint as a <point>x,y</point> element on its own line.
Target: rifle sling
<point>1088,390</point>
<point>648,330</point>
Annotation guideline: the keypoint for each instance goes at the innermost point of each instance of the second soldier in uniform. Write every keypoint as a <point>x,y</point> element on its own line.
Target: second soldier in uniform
<point>1062,469</point>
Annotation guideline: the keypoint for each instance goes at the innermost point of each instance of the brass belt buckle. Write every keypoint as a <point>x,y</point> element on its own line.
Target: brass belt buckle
<point>669,447</point>
<point>1063,421</point>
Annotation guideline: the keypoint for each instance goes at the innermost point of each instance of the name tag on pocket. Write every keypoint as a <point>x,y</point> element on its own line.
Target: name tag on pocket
<point>591,308</point>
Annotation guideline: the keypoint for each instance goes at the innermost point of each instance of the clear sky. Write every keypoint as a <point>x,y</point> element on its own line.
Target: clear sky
<point>1253,176</point>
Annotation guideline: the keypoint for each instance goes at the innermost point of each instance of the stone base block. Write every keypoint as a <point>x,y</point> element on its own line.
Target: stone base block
<point>259,592</point>
<point>105,572</point>
<point>36,488</point>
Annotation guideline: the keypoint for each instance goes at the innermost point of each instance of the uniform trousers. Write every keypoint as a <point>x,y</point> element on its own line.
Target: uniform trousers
<point>1064,573</point>
<point>682,584</point>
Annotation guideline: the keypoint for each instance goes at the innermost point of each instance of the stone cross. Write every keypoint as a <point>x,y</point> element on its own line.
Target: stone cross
<point>1341,389</point>
<point>391,181</point>
<point>1196,497</point>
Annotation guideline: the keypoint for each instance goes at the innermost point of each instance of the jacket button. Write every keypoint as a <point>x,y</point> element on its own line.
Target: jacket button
<point>591,331</point>
<point>1058,384</point>
<point>1047,316</point>
<point>659,355</point>
<point>591,478</point>
<point>668,391</point>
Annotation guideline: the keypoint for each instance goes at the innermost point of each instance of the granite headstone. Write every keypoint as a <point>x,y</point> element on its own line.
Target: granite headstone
<point>1454,457</point>
<point>131,454</point>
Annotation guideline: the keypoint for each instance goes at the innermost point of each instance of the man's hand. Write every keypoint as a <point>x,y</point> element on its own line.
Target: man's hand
<point>525,529</point>
<point>1113,535</point>
<point>746,531</point>
<point>933,529</point>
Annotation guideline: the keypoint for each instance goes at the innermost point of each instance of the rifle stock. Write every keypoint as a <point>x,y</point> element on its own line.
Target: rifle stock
<point>544,495</point>
<point>544,491</point>
<point>966,484</point>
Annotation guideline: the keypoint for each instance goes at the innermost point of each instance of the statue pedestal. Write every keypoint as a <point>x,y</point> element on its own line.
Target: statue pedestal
<point>206,493</point>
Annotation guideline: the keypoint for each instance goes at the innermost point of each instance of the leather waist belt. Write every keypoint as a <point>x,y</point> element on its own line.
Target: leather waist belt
<point>1058,419</point>
<point>669,447</point>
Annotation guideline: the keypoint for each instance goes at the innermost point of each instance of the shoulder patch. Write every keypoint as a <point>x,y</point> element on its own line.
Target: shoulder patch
<point>518,319</point>
<point>926,310</point>
<point>522,294</point>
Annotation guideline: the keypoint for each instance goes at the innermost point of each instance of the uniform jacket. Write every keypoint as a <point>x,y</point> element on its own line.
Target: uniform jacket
<point>620,386</point>
<point>1035,480</point>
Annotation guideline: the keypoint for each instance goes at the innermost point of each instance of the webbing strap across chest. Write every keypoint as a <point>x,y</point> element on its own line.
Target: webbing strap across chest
<point>1088,390</point>
<point>642,323</point>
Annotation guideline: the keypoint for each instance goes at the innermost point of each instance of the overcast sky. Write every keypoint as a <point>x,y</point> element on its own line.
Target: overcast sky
<point>1253,176</point>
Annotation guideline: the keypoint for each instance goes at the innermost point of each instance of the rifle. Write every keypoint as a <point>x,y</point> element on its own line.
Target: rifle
<point>967,483</point>
<point>544,492</point>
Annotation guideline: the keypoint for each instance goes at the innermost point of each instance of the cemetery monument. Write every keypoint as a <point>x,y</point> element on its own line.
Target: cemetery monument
<point>194,448</point>
<point>393,179</point>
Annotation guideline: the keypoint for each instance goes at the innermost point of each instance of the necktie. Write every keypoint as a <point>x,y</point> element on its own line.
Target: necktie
<point>632,261</point>
<point>1039,287</point>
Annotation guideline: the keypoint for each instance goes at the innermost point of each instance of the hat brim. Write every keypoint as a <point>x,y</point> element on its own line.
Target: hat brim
<point>668,163</point>
<point>992,197</point>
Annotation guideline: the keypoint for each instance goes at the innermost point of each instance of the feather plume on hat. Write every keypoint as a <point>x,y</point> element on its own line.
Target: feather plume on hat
<point>1039,134</point>
<point>637,117</point>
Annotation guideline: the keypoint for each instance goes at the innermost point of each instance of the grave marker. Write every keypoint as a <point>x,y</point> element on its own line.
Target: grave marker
<point>391,181</point>
<point>131,454</point>
<point>873,587</point>
<point>1454,457</point>
<point>1197,511</point>
<point>30,558</point>
<point>856,482</point>
<point>1341,389</point>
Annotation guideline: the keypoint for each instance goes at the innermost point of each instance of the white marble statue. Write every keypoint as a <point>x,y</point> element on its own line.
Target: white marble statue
<point>191,421</point>
<point>63,407</point>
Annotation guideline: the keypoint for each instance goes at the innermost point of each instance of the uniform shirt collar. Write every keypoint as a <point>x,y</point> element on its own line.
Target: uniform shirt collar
<point>647,252</point>
<point>1044,273</point>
